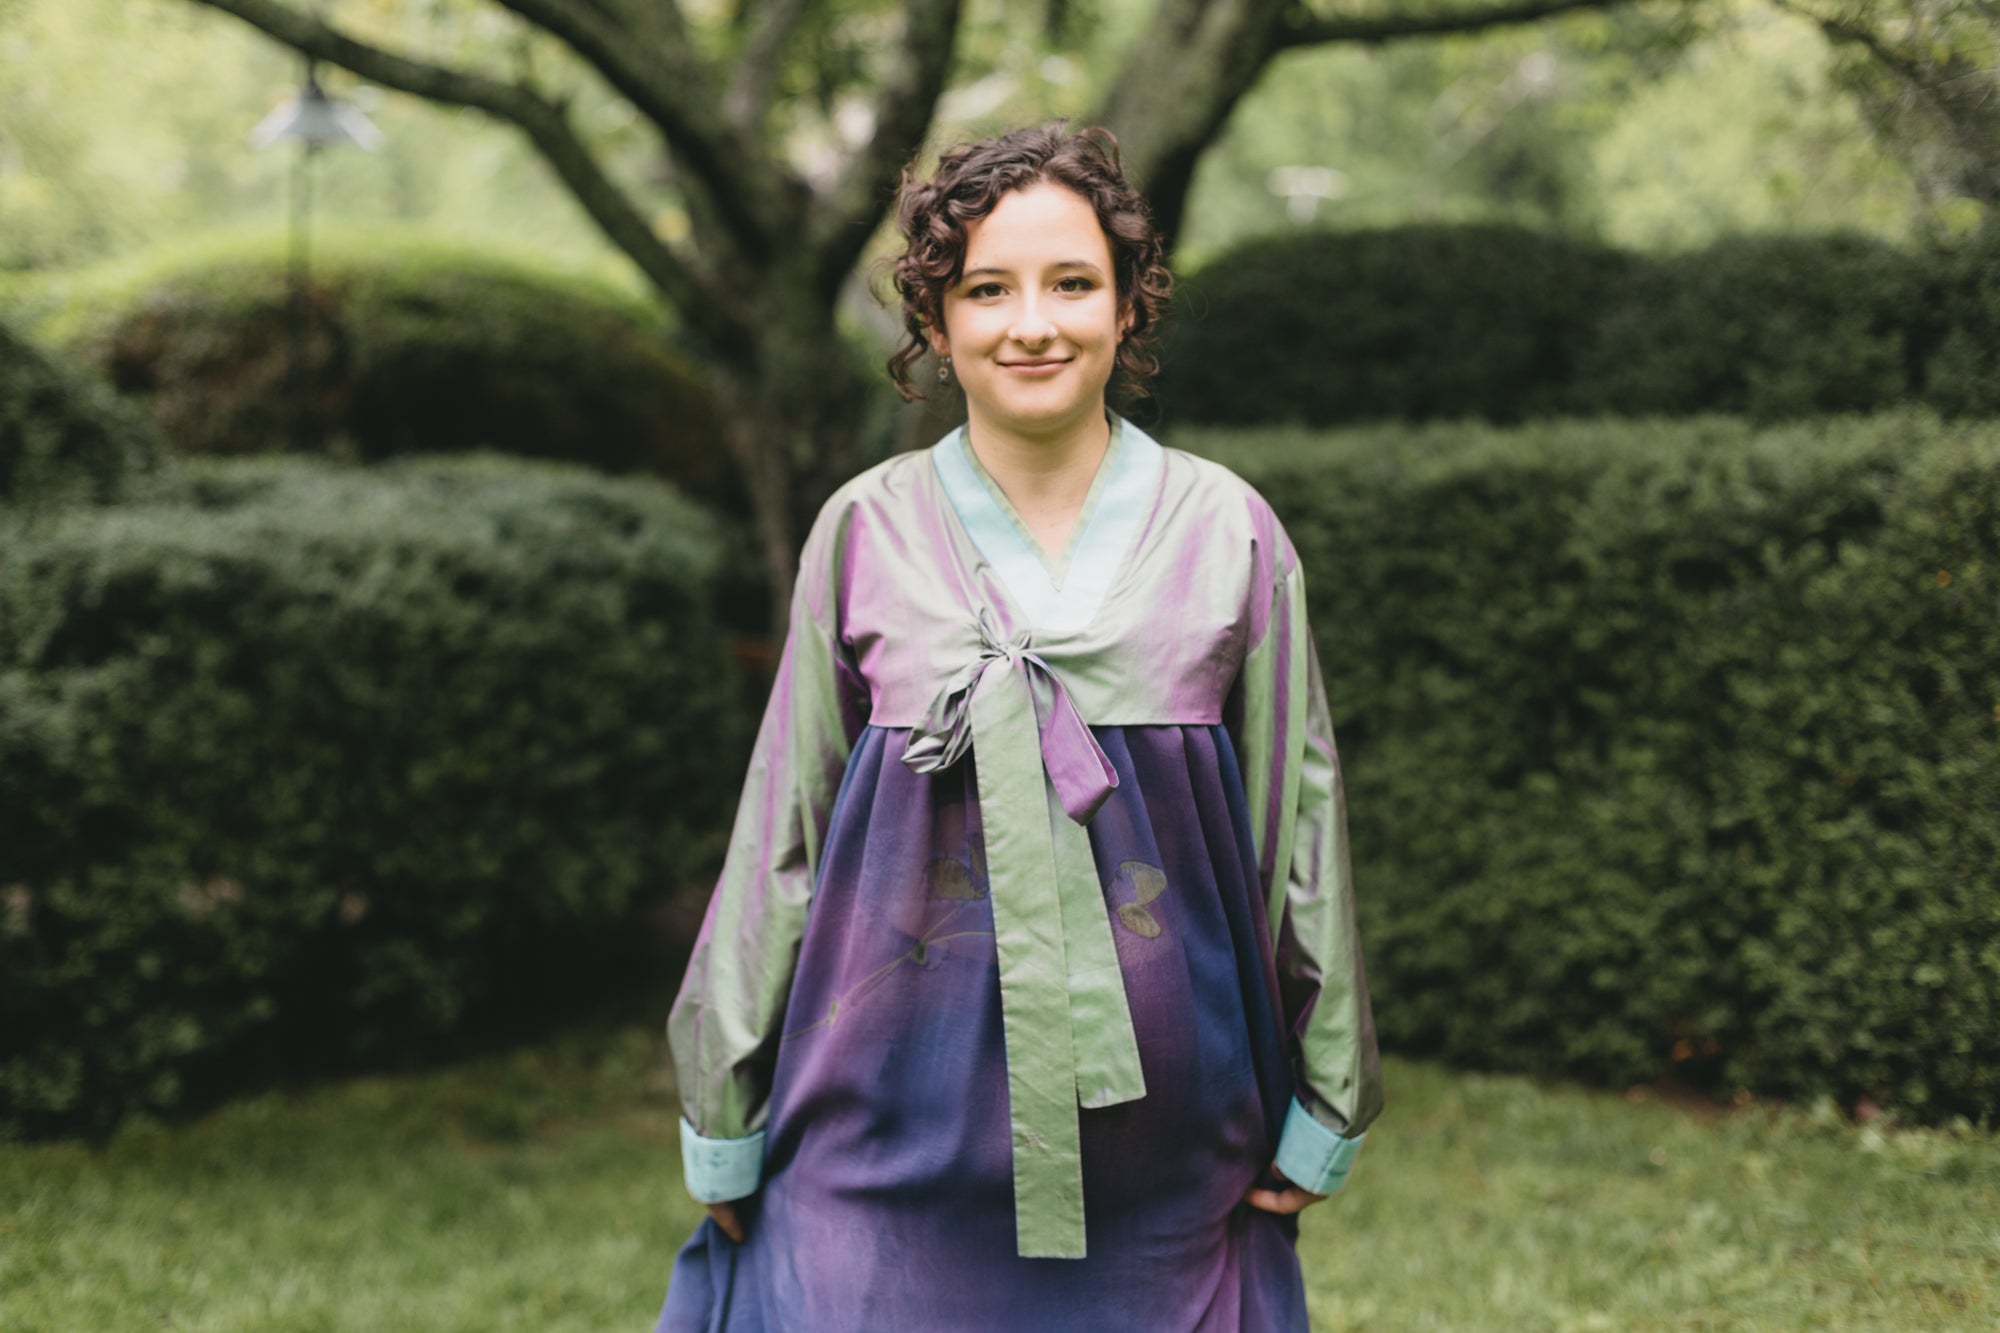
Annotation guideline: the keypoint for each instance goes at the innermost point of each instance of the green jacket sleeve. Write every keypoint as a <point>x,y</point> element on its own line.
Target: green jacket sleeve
<point>724,1026</point>
<point>1283,734</point>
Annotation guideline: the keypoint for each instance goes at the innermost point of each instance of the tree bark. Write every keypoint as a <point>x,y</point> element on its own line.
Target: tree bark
<point>795,411</point>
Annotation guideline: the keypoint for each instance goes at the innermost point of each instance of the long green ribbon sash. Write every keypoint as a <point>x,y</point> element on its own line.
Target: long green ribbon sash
<point>1063,1009</point>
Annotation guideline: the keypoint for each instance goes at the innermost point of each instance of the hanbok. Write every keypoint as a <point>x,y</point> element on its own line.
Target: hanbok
<point>1034,944</point>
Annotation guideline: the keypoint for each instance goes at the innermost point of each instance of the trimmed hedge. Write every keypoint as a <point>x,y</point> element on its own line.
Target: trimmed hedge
<point>1414,322</point>
<point>1671,749</point>
<point>1965,372</point>
<point>63,438</point>
<point>1437,322</point>
<point>411,348</point>
<point>1769,327</point>
<point>312,764</point>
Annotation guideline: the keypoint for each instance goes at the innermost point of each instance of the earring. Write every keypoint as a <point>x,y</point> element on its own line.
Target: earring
<point>944,370</point>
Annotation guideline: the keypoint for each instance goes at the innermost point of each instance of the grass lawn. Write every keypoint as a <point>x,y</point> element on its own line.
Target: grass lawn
<point>540,1190</point>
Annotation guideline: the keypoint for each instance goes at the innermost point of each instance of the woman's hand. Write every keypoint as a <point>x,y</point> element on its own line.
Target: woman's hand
<point>1291,1199</point>
<point>724,1215</point>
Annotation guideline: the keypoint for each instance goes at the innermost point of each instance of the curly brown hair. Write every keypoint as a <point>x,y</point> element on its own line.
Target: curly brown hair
<point>971,179</point>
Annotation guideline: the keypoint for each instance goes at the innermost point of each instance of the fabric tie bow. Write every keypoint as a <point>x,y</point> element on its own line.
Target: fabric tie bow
<point>1069,1037</point>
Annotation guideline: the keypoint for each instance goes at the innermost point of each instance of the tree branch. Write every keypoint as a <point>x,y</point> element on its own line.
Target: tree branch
<point>544,123</point>
<point>656,19</point>
<point>1950,89</point>
<point>748,101</point>
<point>666,80</point>
<point>1300,27</point>
<point>1839,30</point>
<point>1178,85</point>
<point>904,106</point>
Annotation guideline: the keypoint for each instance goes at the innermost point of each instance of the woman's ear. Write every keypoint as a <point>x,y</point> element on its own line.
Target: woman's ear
<point>1128,315</point>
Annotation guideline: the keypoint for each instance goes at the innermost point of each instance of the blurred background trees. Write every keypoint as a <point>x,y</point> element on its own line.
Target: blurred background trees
<point>1927,75</point>
<point>736,159</point>
<point>1651,124</point>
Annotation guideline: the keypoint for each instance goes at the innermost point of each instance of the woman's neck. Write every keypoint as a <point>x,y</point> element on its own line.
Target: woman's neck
<point>1045,478</point>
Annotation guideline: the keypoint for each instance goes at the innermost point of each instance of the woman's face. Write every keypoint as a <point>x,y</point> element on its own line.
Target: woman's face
<point>1032,326</point>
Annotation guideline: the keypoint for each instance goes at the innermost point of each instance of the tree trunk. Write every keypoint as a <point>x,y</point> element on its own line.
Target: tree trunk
<point>1177,87</point>
<point>795,413</point>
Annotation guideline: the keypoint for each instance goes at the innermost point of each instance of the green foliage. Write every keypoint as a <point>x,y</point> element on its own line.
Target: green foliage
<point>1965,373</point>
<point>1746,133</point>
<point>1768,327</point>
<point>1506,324</point>
<point>305,763</point>
<point>410,347</point>
<point>1926,72</point>
<point>1651,126</point>
<point>1416,322</point>
<point>63,437</point>
<point>127,125</point>
<point>1670,749</point>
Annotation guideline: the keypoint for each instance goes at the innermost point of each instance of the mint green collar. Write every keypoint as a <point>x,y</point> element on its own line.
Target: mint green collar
<point>1121,495</point>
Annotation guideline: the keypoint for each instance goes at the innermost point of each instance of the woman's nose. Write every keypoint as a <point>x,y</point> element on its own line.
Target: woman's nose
<point>1031,328</point>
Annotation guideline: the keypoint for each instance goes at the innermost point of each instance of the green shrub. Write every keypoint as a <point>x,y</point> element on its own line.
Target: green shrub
<point>64,438</point>
<point>1505,324</point>
<point>1418,322</point>
<point>1964,375</point>
<point>1670,749</point>
<point>409,348</point>
<point>308,764</point>
<point>1769,327</point>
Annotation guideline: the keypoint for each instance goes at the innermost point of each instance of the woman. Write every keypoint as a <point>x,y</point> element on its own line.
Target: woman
<point>1030,997</point>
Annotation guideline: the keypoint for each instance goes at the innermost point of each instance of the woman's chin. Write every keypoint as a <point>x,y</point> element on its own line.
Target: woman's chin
<point>1039,409</point>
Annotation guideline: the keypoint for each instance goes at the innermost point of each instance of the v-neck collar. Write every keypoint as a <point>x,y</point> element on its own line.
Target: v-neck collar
<point>1065,594</point>
<point>1057,563</point>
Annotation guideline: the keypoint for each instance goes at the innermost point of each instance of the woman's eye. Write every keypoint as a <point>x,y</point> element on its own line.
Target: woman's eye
<point>1074,285</point>
<point>985,289</point>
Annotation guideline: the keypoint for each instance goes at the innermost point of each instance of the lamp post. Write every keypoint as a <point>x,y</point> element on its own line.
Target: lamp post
<point>1303,187</point>
<point>313,121</point>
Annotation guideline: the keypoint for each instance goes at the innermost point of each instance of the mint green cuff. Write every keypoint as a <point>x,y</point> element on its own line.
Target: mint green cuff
<point>718,1170</point>
<point>1312,1156</point>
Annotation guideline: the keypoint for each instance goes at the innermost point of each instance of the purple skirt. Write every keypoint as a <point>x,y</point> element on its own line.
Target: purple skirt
<point>887,1200</point>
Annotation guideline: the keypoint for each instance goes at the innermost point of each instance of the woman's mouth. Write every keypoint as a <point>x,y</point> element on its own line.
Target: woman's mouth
<point>1034,369</point>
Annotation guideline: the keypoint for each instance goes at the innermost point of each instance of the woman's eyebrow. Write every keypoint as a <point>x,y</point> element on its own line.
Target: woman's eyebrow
<point>1007,272</point>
